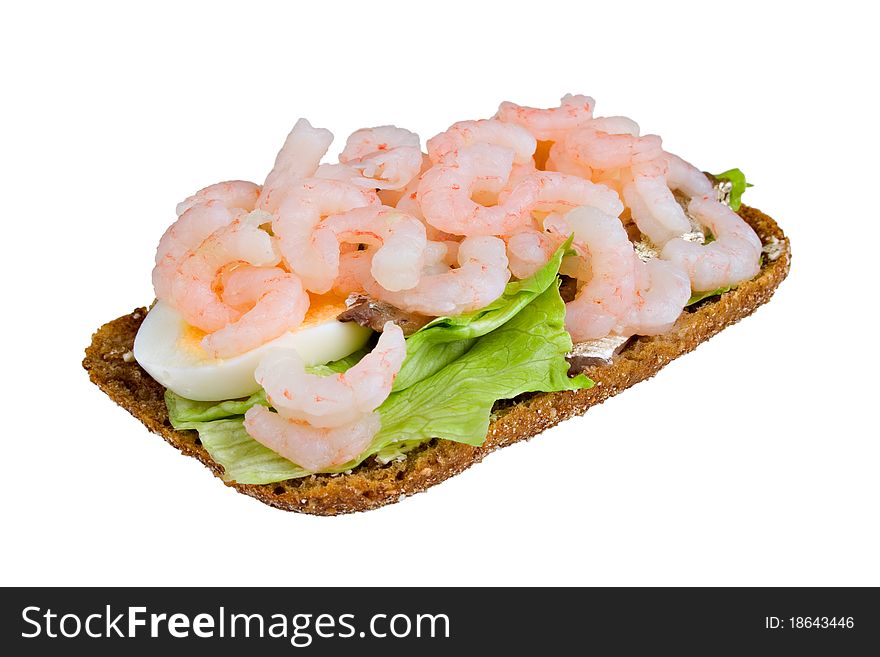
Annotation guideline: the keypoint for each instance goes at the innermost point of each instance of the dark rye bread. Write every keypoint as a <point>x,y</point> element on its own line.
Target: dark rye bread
<point>371,485</point>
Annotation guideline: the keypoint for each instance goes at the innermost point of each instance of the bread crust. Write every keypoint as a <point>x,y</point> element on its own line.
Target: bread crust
<point>371,485</point>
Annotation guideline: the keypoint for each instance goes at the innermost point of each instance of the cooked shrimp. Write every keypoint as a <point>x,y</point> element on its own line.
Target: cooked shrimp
<point>662,290</point>
<point>354,270</point>
<point>477,281</point>
<point>528,251</point>
<point>400,238</point>
<point>310,447</point>
<point>192,290</point>
<point>272,301</point>
<point>297,159</point>
<point>733,256</point>
<point>234,194</point>
<point>654,209</point>
<point>191,229</point>
<point>595,147</point>
<point>608,271</point>
<point>685,177</point>
<point>448,195</point>
<point>335,400</point>
<point>444,148</point>
<point>388,157</point>
<point>338,171</point>
<point>559,192</point>
<point>549,124</point>
<point>310,254</point>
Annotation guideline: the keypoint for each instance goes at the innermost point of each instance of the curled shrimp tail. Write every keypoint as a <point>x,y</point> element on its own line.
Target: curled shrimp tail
<point>298,158</point>
<point>234,194</point>
<point>278,304</point>
<point>310,447</point>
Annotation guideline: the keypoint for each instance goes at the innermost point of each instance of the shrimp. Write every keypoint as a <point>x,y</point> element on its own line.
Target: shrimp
<point>662,290</point>
<point>341,172</point>
<point>298,158</point>
<point>528,251</point>
<point>564,157</point>
<point>333,401</point>
<point>733,256</point>
<point>559,192</point>
<point>192,290</point>
<point>308,253</point>
<point>311,447</point>
<point>387,157</point>
<point>549,124</point>
<point>685,177</point>
<point>234,194</point>
<point>444,148</point>
<point>400,239</point>
<point>654,208</point>
<point>608,269</point>
<point>272,301</point>
<point>191,229</point>
<point>554,194</point>
<point>448,194</point>
<point>608,143</point>
<point>479,279</point>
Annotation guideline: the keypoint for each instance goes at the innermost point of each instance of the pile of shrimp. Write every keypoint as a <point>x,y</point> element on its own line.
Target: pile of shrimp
<point>441,233</point>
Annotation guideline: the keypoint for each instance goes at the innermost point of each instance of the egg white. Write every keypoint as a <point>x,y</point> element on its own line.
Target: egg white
<point>169,350</point>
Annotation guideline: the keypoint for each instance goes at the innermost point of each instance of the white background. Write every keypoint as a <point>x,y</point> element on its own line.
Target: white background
<point>752,461</point>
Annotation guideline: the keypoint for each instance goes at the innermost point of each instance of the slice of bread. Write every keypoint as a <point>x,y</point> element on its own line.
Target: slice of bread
<point>371,485</point>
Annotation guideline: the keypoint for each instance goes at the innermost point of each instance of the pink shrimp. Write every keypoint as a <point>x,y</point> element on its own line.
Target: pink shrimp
<point>479,279</point>
<point>549,124</point>
<point>449,195</point>
<point>559,192</point>
<point>661,292</point>
<point>554,194</point>
<point>272,302</point>
<point>192,290</point>
<point>400,239</point>
<point>310,447</point>
<point>608,143</point>
<point>309,253</point>
<point>443,148</point>
<point>733,256</point>
<point>298,158</point>
<point>608,271</point>
<point>234,194</point>
<point>191,229</point>
<point>685,177</point>
<point>654,208</point>
<point>335,400</point>
<point>528,251</point>
<point>387,157</point>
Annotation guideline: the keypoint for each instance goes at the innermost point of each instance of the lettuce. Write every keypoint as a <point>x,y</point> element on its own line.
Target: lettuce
<point>445,339</point>
<point>244,459</point>
<point>456,372</point>
<point>183,412</point>
<point>699,296</point>
<point>526,354</point>
<point>738,179</point>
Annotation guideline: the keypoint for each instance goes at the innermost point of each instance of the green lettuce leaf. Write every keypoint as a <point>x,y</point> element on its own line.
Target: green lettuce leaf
<point>526,354</point>
<point>445,339</point>
<point>738,179</point>
<point>699,296</point>
<point>183,412</point>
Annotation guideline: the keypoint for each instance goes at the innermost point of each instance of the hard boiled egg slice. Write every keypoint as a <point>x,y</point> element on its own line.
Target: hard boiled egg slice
<point>170,350</point>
